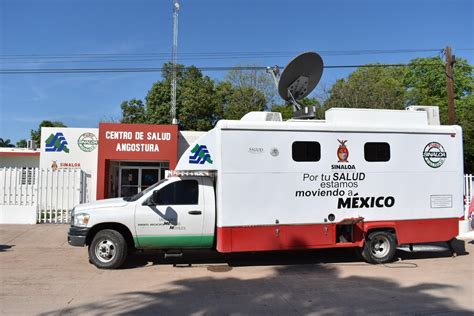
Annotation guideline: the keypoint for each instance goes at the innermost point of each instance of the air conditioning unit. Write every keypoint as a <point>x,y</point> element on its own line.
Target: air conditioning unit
<point>256,116</point>
<point>431,111</point>
<point>31,144</point>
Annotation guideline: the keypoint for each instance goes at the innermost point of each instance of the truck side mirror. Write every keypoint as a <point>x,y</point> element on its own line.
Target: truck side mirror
<point>155,197</point>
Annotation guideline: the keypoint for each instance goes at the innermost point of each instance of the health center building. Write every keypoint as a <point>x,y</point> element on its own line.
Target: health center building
<point>118,159</point>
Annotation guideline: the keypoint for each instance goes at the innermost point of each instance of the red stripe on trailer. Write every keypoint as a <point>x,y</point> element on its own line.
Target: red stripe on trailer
<point>311,236</point>
<point>429,230</point>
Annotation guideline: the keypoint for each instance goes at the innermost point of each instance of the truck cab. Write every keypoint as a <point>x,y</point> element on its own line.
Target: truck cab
<point>175,213</point>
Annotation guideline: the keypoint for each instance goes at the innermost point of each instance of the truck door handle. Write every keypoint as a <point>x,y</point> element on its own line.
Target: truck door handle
<point>195,212</point>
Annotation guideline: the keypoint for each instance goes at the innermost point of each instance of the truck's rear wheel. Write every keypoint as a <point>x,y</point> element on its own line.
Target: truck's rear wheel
<point>379,247</point>
<point>108,249</point>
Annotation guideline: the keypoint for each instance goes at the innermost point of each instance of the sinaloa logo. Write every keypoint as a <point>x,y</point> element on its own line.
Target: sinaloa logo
<point>201,155</point>
<point>56,143</point>
<point>342,151</point>
<point>87,142</point>
<point>434,155</point>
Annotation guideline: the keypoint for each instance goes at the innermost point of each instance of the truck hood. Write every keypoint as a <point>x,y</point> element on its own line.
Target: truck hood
<point>107,203</point>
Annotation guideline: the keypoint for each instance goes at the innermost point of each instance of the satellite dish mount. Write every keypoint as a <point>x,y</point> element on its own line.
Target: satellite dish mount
<point>298,79</point>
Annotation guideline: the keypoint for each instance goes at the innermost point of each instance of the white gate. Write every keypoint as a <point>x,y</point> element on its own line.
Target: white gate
<point>54,193</point>
<point>468,191</point>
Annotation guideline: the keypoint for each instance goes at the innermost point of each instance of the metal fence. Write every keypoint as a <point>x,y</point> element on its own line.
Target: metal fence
<point>54,192</point>
<point>468,191</point>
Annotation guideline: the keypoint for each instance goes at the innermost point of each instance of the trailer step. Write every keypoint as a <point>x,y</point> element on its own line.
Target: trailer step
<point>173,255</point>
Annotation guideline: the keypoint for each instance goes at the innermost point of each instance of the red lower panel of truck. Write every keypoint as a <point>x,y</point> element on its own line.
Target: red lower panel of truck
<point>307,236</point>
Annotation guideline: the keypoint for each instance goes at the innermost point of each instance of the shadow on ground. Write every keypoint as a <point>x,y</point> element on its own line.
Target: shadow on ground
<point>301,283</point>
<point>4,248</point>
<point>318,288</point>
<point>347,255</point>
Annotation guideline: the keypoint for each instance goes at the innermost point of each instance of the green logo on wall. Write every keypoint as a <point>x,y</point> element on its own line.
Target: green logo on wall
<point>87,142</point>
<point>56,143</point>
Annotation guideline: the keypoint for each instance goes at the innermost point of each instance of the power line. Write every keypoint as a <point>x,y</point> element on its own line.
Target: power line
<point>159,69</point>
<point>121,60</point>
<point>241,54</point>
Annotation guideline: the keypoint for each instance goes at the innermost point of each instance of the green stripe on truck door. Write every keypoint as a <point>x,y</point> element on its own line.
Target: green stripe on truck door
<point>206,241</point>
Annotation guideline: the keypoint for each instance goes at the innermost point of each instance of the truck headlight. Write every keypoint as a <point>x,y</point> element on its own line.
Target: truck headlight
<point>81,219</point>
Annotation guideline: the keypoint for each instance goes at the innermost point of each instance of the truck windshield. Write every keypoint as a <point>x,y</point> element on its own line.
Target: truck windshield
<point>142,193</point>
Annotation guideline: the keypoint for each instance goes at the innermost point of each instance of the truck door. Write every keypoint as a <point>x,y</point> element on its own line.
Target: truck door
<point>174,219</point>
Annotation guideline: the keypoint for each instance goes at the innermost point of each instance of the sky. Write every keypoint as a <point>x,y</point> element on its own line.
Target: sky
<point>55,34</point>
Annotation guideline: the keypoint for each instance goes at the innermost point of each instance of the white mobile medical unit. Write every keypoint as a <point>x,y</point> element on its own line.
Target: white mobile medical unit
<point>363,178</point>
<point>318,184</point>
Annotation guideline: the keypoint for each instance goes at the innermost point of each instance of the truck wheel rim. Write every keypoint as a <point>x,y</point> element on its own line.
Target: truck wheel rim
<point>380,246</point>
<point>105,251</point>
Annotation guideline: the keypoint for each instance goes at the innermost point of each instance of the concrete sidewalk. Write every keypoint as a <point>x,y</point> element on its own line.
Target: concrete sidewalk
<point>41,274</point>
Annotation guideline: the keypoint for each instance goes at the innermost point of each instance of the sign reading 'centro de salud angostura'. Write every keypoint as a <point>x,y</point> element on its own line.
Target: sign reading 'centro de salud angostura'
<point>134,142</point>
<point>137,141</point>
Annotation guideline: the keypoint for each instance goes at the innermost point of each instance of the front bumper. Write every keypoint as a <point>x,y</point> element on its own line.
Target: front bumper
<point>77,236</point>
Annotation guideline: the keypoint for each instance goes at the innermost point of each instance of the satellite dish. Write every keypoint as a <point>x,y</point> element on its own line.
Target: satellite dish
<point>300,76</point>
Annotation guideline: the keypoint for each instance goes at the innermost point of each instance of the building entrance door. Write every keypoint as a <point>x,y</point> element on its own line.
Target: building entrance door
<point>134,179</point>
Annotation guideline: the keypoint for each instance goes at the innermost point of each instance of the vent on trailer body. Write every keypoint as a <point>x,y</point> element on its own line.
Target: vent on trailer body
<point>431,111</point>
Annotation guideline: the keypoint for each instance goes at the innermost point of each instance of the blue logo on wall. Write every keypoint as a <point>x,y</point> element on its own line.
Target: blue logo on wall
<point>56,143</point>
<point>201,155</point>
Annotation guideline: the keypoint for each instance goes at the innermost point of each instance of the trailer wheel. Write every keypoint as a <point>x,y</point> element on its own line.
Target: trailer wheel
<point>379,247</point>
<point>108,249</point>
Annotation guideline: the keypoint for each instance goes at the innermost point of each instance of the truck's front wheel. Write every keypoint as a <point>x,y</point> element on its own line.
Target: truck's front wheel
<point>108,249</point>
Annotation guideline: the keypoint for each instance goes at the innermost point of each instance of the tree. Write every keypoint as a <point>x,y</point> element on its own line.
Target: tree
<point>369,87</point>
<point>6,143</point>
<point>22,143</point>
<point>259,80</point>
<point>36,134</point>
<point>158,103</point>
<point>133,111</point>
<point>243,100</point>
<point>425,82</point>
<point>196,101</point>
<point>465,118</point>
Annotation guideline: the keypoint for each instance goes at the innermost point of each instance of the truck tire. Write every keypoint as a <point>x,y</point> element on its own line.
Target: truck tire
<point>379,247</point>
<point>108,249</point>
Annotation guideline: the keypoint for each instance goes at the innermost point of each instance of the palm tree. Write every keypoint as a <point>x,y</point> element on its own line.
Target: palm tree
<point>6,143</point>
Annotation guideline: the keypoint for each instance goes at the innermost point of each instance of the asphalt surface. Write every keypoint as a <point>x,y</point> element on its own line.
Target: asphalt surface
<point>41,275</point>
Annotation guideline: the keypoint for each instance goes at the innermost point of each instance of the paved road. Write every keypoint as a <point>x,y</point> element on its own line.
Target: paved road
<point>40,274</point>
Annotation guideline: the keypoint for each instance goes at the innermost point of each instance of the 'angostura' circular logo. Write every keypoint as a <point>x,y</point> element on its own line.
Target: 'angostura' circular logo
<point>434,155</point>
<point>87,142</point>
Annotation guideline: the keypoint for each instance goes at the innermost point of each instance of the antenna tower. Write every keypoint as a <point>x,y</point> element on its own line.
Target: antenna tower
<point>174,57</point>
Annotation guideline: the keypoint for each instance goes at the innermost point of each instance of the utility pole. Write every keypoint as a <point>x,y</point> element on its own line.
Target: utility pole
<point>450,60</point>
<point>174,57</point>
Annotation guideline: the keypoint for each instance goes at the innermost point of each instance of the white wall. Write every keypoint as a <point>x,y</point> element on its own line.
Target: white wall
<point>82,155</point>
<point>17,214</point>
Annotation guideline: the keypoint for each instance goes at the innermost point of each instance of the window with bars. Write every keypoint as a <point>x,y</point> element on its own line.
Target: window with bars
<point>28,176</point>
